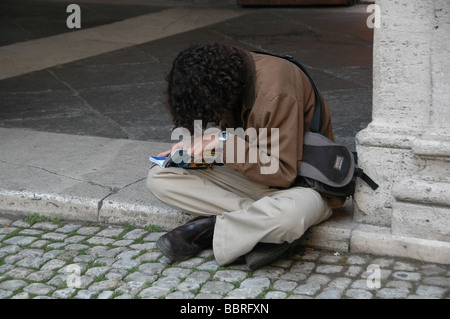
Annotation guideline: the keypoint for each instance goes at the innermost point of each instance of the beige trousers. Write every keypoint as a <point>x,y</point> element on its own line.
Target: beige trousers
<point>247,212</point>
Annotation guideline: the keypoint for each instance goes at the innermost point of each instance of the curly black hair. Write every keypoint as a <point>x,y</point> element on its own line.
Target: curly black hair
<point>206,82</point>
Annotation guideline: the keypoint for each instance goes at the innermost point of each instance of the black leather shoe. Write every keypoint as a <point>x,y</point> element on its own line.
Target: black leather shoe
<point>188,240</point>
<point>265,253</point>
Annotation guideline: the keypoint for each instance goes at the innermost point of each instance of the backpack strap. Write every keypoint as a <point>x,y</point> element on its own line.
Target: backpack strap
<point>360,173</point>
<point>316,126</point>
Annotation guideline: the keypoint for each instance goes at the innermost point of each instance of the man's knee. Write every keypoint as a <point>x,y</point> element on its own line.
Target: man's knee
<point>156,183</point>
<point>290,223</point>
<point>298,212</point>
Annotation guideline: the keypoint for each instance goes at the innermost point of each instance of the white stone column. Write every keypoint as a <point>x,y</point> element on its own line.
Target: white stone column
<point>406,147</point>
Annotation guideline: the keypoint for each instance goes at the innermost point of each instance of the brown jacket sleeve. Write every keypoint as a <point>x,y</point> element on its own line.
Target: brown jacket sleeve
<point>273,160</point>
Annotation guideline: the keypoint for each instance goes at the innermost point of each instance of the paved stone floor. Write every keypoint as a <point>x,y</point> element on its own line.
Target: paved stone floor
<point>121,93</point>
<point>42,259</point>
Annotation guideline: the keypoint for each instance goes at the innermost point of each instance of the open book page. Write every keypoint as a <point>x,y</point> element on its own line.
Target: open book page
<point>158,160</point>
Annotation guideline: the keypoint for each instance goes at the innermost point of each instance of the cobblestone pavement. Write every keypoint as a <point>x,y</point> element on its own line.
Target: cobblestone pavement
<point>42,258</point>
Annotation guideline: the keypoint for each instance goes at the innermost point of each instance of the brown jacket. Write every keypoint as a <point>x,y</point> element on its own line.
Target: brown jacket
<point>278,95</point>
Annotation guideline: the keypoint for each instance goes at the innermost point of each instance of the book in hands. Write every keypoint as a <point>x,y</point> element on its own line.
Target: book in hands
<point>180,158</point>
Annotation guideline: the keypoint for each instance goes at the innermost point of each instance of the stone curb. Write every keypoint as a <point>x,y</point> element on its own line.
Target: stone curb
<point>86,178</point>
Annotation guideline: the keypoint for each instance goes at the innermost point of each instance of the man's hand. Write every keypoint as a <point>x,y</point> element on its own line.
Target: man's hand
<point>164,154</point>
<point>197,145</point>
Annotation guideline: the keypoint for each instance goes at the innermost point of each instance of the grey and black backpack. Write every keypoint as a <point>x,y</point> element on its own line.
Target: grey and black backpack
<point>327,167</point>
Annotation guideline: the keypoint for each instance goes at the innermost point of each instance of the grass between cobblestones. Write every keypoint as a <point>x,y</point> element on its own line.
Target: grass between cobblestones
<point>48,258</point>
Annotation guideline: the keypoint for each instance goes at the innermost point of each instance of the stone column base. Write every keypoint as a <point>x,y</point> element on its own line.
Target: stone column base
<point>380,241</point>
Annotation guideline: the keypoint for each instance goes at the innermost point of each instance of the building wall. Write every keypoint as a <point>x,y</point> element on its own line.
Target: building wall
<point>406,147</point>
